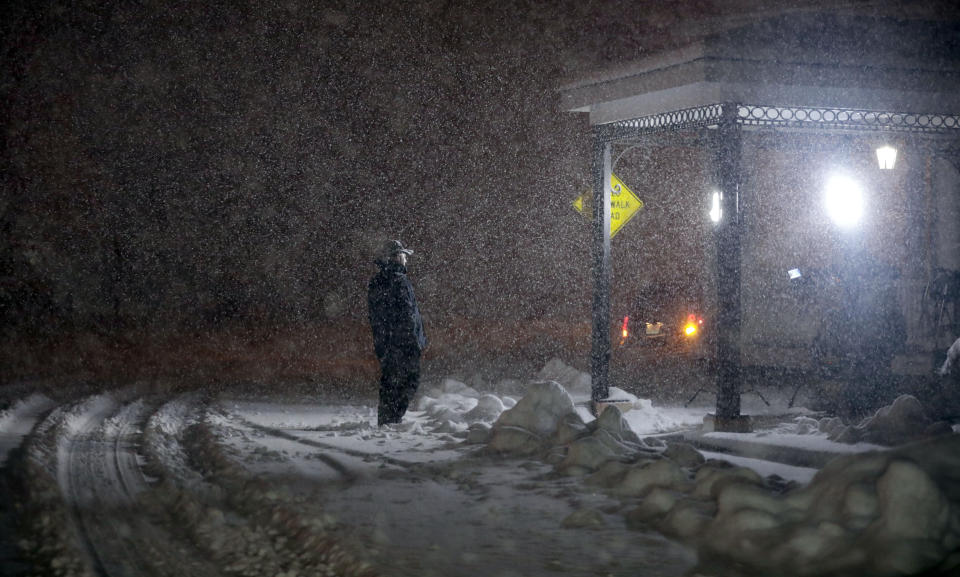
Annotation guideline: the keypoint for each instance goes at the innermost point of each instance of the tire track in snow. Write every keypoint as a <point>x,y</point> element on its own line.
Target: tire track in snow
<point>272,520</point>
<point>78,423</point>
<point>348,475</point>
<point>101,480</point>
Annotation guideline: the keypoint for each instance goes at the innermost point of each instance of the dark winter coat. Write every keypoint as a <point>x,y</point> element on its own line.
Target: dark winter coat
<point>394,314</point>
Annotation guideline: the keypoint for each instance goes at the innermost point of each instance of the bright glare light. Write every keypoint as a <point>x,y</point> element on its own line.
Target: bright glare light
<point>886,157</point>
<point>844,200</point>
<point>690,329</point>
<point>715,208</point>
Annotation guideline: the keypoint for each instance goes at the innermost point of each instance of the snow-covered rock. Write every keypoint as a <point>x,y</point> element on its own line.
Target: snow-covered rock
<point>573,380</point>
<point>649,475</point>
<point>586,455</point>
<point>611,427</point>
<point>478,433</point>
<point>903,421</point>
<point>529,426</point>
<point>488,409</point>
<point>887,513</point>
<point>714,475</point>
<point>832,426</point>
<point>892,513</point>
<point>541,409</point>
<point>951,365</point>
<point>658,502</point>
<point>454,387</point>
<point>684,455</point>
<point>806,425</point>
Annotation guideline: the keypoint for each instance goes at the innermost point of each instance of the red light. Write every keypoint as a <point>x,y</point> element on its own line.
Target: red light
<point>626,331</point>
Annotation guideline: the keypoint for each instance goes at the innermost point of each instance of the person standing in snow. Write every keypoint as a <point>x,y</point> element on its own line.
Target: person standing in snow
<point>398,337</point>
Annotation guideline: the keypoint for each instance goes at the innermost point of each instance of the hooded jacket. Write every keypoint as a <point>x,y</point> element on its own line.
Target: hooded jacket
<point>394,314</point>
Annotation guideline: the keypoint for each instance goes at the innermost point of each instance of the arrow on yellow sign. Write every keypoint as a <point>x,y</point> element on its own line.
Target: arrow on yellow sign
<point>624,204</point>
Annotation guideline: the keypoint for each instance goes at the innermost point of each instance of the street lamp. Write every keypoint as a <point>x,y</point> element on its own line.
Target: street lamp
<point>886,157</point>
<point>715,212</point>
<point>844,200</point>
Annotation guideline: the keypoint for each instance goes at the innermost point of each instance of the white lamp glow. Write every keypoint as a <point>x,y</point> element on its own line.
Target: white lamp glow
<point>886,157</point>
<point>715,212</point>
<point>844,200</point>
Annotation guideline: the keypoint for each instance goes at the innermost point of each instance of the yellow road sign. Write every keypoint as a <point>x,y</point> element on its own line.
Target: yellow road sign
<point>624,204</point>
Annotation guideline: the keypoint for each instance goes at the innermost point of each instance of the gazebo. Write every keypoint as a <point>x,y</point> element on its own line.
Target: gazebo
<point>783,82</point>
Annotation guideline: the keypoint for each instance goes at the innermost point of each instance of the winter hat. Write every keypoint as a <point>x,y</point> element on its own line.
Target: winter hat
<point>389,249</point>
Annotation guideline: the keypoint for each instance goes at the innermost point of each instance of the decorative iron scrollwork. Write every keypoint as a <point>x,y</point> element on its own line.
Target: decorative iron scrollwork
<point>675,120</point>
<point>846,119</point>
<point>774,117</point>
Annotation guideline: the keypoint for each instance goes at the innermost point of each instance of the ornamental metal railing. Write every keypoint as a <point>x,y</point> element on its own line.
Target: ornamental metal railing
<point>700,117</point>
<point>846,119</point>
<point>781,117</point>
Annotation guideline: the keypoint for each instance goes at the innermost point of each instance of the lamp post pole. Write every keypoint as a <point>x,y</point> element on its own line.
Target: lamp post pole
<point>600,350</point>
<point>728,232</point>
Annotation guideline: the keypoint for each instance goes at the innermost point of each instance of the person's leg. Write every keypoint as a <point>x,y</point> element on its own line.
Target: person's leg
<point>409,382</point>
<point>387,410</point>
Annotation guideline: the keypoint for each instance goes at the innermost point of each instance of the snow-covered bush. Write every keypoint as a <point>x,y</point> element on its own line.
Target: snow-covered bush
<point>903,421</point>
<point>889,513</point>
<point>951,365</point>
<point>527,428</point>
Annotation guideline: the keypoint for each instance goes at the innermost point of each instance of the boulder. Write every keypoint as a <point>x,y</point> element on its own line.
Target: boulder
<point>684,455</point>
<point>642,479</point>
<point>529,426</point>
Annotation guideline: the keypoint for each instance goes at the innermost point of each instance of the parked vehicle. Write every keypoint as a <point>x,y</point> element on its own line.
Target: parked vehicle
<point>667,320</point>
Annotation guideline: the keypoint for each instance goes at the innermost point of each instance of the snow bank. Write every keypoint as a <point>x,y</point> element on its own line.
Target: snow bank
<point>895,512</point>
<point>951,365</point>
<point>459,410</point>
<point>890,513</point>
<point>544,412</point>
<point>572,380</point>
<point>902,422</point>
<point>24,409</point>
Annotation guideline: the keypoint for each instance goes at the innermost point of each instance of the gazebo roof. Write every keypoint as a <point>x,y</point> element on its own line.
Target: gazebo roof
<point>807,60</point>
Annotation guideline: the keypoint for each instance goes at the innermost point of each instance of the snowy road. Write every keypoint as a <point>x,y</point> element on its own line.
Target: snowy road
<point>100,477</point>
<point>144,482</point>
<point>422,504</point>
<point>110,486</point>
<point>122,484</point>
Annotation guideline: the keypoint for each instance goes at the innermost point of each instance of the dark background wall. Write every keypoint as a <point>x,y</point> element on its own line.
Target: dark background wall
<point>173,167</point>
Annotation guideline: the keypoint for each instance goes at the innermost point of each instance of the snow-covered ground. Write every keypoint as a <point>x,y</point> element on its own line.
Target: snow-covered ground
<point>511,478</point>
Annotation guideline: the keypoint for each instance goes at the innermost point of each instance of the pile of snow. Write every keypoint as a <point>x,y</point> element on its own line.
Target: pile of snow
<point>902,422</point>
<point>642,416</point>
<point>951,366</point>
<point>546,422</point>
<point>29,407</point>
<point>890,513</point>
<point>574,381</point>
<point>455,408</point>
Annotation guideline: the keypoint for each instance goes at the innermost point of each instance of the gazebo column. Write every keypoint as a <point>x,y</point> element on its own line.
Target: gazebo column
<point>728,231</point>
<point>600,351</point>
